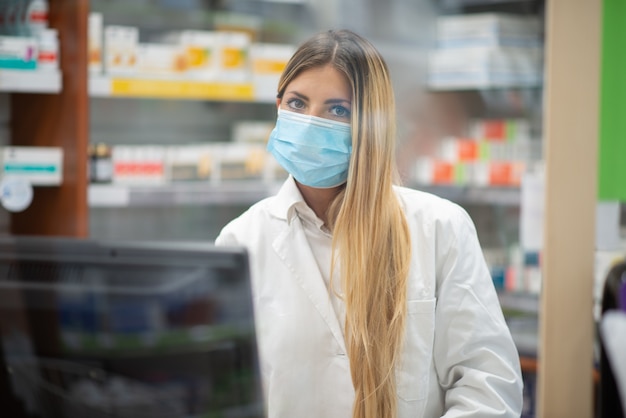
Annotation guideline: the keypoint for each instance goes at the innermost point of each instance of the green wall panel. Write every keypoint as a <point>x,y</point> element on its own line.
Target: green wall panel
<point>612,152</point>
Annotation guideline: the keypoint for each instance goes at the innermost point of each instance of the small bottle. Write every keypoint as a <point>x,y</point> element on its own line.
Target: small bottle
<point>36,17</point>
<point>91,163</point>
<point>48,57</point>
<point>101,170</point>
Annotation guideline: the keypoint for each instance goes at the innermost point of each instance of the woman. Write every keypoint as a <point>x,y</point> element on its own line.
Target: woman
<point>371,300</point>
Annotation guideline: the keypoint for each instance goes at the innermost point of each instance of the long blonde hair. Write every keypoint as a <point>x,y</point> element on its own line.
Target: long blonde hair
<point>370,233</point>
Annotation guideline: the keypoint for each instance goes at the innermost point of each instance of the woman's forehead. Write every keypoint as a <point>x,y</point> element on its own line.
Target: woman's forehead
<point>323,80</point>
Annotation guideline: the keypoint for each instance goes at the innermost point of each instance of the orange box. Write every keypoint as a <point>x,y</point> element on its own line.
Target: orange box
<point>517,171</point>
<point>443,172</point>
<point>467,150</point>
<point>500,173</point>
<point>494,129</point>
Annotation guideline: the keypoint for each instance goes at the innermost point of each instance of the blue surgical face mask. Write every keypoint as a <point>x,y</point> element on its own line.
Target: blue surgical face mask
<point>315,151</point>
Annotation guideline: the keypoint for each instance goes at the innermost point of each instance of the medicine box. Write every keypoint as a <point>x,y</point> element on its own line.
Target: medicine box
<point>94,43</point>
<point>484,67</point>
<point>239,161</point>
<point>18,53</point>
<point>120,46</point>
<point>488,29</point>
<point>268,62</point>
<point>202,50</point>
<point>234,57</point>
<point>190,162</point>
<point>161,60</point>
<point>41,166</point>
<point>140,164</point>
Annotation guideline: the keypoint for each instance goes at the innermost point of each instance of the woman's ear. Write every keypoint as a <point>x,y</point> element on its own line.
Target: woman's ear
<point>278,102</point>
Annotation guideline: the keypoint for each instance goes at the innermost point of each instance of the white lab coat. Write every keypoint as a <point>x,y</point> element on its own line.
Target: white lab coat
<point>459,359</point>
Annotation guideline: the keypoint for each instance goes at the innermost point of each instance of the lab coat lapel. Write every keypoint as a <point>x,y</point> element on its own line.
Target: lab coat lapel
<point>293,249</point>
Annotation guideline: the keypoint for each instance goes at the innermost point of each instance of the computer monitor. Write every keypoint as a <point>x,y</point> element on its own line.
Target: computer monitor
<point>102,329</point>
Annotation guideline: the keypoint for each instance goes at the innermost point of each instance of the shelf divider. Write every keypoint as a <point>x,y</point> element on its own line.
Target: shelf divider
<point>59,120</point>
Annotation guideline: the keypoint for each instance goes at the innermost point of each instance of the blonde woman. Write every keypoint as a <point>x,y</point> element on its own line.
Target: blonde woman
<point>371,300</point>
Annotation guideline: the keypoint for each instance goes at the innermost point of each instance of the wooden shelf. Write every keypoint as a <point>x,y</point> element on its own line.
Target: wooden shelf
<point>56,120</point>
<point>505,196</point>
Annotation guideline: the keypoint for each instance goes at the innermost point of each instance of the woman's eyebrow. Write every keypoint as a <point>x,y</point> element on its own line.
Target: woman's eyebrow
<point>328,101</point>
<point>333,101</point>
<point>300,95</point>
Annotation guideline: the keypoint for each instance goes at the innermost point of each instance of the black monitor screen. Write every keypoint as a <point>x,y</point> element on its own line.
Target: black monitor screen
<point>95,329</point>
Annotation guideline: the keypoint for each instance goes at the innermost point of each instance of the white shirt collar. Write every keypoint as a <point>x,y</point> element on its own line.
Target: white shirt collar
<point>288,203</point>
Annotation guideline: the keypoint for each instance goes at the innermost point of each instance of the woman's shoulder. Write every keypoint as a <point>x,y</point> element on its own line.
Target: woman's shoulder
<point>415,200</point>
<point>251,219</point>
<point>428,207</point>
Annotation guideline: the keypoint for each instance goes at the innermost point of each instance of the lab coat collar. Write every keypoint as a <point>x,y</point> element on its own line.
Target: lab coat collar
<point>286,200</point>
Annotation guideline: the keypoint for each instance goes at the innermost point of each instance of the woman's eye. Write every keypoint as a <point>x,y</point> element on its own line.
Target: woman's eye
<point>340,111</point>
<point>295,104</point>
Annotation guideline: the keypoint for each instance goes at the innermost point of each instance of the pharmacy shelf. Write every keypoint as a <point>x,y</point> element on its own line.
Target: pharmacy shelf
<point>455,5</point>
<point>521,302</point>
<point>250,191</point>
<point>436,86</point>
<point>30,81</point>
<point>503,196</point>
<point>179,194</point>
<point>302,2</point>
<point>163,88</point>
<point>525,333</point>
<point>521,310</point>
<point>453,82</point>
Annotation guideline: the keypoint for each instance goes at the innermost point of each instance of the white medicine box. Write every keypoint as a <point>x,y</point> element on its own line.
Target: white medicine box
<point>41,166</point>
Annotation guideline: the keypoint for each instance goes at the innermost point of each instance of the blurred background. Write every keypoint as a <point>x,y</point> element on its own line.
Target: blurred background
<point>147,120</point>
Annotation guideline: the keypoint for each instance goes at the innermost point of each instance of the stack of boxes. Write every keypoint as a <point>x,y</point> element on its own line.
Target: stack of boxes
<point>197,55</point>
<point>26,41</point>
<point>494,153</point>
<point>486,50</point>
<point>244,158</point>
<point>162,164</point>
